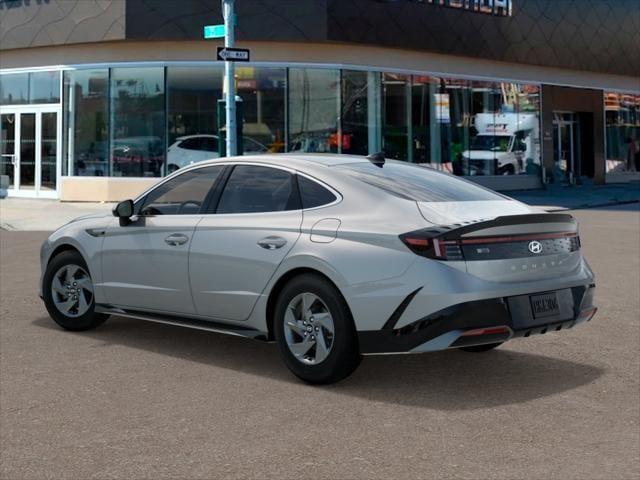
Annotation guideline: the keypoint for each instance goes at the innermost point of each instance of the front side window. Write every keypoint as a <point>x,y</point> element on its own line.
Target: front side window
<point>182,195</point>
<point>256,189</point>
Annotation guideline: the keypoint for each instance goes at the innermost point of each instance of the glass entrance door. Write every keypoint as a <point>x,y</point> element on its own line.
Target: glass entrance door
<point>566,151</point>
<point>29,150</point>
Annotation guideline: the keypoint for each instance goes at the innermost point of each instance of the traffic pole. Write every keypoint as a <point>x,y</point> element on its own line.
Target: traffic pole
<point>228,9</point>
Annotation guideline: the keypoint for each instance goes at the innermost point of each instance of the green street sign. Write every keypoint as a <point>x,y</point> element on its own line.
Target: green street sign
<point>214,31</point>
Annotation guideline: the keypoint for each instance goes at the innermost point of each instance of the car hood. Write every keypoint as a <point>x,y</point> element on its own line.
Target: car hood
<point>448,213</point>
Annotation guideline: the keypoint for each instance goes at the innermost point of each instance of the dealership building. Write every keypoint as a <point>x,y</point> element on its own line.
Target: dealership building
<point>100,98</point>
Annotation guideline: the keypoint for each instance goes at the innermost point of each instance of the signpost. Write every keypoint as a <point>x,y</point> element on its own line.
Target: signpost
<point>229,55</point>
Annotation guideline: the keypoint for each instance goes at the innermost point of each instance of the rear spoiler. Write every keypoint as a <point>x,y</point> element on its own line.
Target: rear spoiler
<point>455,231</point>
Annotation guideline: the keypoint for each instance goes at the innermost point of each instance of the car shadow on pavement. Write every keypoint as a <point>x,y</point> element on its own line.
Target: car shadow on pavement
<point>449,380</point>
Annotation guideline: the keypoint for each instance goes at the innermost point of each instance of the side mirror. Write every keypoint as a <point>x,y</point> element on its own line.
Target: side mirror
<point>124,211</point>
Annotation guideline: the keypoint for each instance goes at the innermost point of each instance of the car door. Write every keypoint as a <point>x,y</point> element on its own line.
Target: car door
<point>236,251</point>
<point>145,262</point>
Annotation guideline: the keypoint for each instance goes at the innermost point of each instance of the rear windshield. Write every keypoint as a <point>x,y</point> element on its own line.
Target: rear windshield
<point>420,184</point>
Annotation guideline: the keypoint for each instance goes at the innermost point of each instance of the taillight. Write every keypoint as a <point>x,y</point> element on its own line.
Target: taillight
<point>422,244</point>
<point>430,244</point>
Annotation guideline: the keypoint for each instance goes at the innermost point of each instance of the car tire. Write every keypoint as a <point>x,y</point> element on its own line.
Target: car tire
<point>67,290</point>
<point>333,355</point>
<point>481,348</point>
<point>507,170</point>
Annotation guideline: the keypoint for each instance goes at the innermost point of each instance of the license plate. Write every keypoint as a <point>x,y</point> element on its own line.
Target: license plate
<point>545,305</point>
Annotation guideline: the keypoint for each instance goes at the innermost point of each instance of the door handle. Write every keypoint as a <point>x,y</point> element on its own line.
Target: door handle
<point>272,243</point>
<point>176,239</point>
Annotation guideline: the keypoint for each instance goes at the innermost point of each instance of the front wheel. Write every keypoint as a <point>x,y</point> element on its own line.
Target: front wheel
<point>67,290</point>
<point>315,332</point>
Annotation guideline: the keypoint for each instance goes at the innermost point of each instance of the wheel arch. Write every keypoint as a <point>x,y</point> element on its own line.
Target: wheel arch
<point>64,247</point>
<point>279,285</point>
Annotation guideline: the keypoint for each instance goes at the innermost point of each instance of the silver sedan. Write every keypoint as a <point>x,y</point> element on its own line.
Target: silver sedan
<point>332,257</point>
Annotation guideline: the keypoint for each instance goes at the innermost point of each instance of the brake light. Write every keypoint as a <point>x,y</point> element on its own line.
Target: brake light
<point>424,245</point>
<point>436,245</point>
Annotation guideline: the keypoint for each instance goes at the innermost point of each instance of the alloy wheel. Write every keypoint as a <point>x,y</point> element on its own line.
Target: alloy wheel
<point>308,328</point>
<point>72,291</point>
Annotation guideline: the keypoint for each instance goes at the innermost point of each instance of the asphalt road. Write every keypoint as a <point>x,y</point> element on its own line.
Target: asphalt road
<point>138,400</point>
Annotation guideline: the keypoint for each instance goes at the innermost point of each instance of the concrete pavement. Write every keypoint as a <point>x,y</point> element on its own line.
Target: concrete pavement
<point>47,215</point>
<point>138,400</point>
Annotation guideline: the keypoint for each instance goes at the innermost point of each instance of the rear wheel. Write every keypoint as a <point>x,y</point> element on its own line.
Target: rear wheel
<point>481,348</point>
<point>314,331</point>
<point>67,289</point>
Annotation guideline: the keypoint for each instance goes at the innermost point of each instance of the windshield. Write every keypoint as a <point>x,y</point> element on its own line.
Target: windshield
<point>490,143</point>
<point>420,184</point>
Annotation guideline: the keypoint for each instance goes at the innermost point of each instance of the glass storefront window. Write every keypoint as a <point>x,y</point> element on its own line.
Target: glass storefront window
<point>14,89</point>
<point>44,87</point>
<point>193,93</point>
<point>262,91</point>
<point>622,116</point>
<point>120,122</point>
<point>30,88</point>
<point>138,122</point>
<point>314,96</point>
<point>395,115</point>
<point>355,113</point>
<point>86,105</point>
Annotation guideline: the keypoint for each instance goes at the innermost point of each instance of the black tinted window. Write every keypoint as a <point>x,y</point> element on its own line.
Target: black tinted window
<point>313,194</point>
<point>191,144</point>
<point>252,189</point>
<point>182,195</point>
<point>421,184</point>
<point>209,144</point>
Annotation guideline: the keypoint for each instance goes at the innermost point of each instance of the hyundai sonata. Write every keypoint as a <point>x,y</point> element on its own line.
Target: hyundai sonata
<point>332,257</point>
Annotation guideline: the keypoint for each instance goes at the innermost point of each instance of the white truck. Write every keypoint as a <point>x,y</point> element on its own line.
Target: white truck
<point>506,144</point>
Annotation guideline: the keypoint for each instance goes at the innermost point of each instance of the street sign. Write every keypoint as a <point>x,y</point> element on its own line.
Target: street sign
<point>227,54</point>
<point>214,31</point>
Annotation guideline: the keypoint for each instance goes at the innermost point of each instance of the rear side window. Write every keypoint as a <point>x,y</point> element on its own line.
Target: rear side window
<point>256,189</point>
<point>313,194</point>
<point>420,184</point>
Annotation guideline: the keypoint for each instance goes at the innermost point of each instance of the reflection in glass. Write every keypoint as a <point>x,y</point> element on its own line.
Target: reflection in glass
<point>193,127</point>
<point>14,89</point>
<point>354,113</point>
<point>27,150</point>
<point>313,110</point>
<point>622,113</point>
<point>7,145</point>
<point>395,115</point>
<point>44,87</point>
<point>138,122</point>
<point>49,150</point>
<point>262,91</point>
<point>86,106</point>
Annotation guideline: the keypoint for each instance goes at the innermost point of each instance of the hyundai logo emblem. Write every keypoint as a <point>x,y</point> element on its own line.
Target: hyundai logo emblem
<point>535,247</point>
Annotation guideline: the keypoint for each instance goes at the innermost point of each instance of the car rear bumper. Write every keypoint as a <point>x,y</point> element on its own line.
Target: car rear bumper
<point>480,322</point>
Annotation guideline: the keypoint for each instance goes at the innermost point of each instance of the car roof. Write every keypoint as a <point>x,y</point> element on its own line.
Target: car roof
<point>293,160</point>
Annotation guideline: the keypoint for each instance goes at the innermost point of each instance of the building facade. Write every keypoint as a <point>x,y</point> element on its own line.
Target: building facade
<point>98,99</point>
